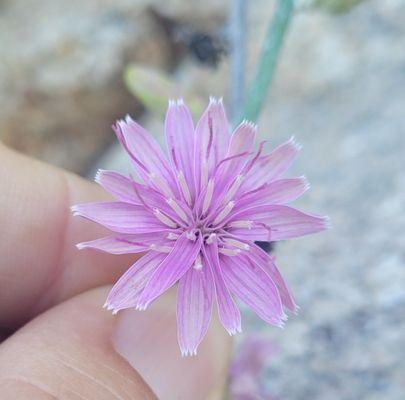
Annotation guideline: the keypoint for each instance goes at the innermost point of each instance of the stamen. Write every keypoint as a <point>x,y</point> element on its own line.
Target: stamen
<point>234,188</point>
<point>208,196</point>
<point>161,249</point>
<point>172,236</point>
<point>165,219</point>
<point>250,164</point>
<point>191,235</point>
<point>228,252</point>
<point>211,137</point>
<point>177,209</point>
<point>197,264</point>
<point>211,238</point>
<point>227,159</point>
<point>184,187</point>
<point>204,174</point>
<point>265,226</point>
<point>226,210</point>
<point>237,243</point>
<point>161,184</point>
<point>133,183</point>
<point>241,224</point>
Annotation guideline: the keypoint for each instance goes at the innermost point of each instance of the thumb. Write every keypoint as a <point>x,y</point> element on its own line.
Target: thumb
<point>78,350</point>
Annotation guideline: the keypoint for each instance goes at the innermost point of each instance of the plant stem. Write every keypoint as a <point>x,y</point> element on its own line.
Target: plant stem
<point>268,60</point>
<point>237,39</point>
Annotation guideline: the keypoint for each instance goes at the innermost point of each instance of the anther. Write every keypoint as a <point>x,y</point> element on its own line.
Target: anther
<point>191,235</point>
<point>177,209</point>
<point>165,219</point>
<point>237,243</point>
<point>184,187</point>
<point>241,224</point>
<point>161,184</point>
<point>161,249</point>
<point>204,174</point>
<point>211,238</point>
<point>234,188</point>
<point>208,195</point>
<point>197,264</point>
<point>225,211</point>
<point>228,252</point>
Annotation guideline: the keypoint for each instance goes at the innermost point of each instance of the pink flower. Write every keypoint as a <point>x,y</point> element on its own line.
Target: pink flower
<point>196,216</point>
<point>246,371</point>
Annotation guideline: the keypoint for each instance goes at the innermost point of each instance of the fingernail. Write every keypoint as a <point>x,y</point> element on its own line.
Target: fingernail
<point>148,341</point>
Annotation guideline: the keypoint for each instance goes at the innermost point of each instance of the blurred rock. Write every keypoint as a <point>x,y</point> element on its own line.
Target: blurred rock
<point>61,70</point>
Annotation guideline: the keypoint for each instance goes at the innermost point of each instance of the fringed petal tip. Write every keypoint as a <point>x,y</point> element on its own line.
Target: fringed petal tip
<point>176,102</point>
<point>81,246</point>
<point>326,222</point>
<point>75,210</point>
<point>280,324</point>
<point>234,331</point>
<point>216,101</point>
<point>109,307</point>
<point>294,143</point>
<point>305,183</point>
<point>188,352</point>
<point>117,129</point>
<point>128,119</point>
<point>98,176</point>
<point>119,124</point>
<point>249,123</point>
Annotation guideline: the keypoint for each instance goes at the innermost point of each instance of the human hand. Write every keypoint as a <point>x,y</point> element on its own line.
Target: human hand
<point>57,340</point>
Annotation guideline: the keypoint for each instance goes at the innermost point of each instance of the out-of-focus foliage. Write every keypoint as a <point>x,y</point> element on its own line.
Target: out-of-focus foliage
<point>152,88</point>
<point>336,6</point>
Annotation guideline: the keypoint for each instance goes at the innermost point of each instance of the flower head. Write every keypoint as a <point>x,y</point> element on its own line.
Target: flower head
<point>196,215</point>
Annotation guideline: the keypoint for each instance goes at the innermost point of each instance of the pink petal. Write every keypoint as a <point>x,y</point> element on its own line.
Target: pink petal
<point>174,266</point>
<point>270,167</point>
<point>264,261</point>
<point>125,293</point>
<point>281,191</point>
<point>256,232</point>
<point>194,307</point>
<point>179,129</point>
<point>212,138</point>
<point>120,217</point>
<point>228,312</point>
<point>118,185</point>
<point>254,287</point>
<point>145,152</point>
<point>129,191</point>
<point>279,221</point>
<point>242,139</point>
<point>241,142</point>
<point>126,244</point>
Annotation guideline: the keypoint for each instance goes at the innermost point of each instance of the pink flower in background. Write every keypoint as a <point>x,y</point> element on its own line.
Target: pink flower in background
<point>196,215</point>
<point>251,360</point>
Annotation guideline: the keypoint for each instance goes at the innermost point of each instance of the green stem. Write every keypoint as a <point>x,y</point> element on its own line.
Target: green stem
<point>271,51</point>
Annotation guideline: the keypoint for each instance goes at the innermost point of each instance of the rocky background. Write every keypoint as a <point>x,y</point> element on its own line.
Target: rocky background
<point>339,88</point>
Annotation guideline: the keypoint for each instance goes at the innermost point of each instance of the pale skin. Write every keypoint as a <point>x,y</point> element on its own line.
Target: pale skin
<point>56,338</point>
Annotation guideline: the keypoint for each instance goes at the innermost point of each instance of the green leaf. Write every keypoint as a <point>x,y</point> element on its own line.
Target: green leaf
<point>154,88</point>
<point>336,6</point>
